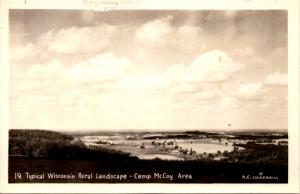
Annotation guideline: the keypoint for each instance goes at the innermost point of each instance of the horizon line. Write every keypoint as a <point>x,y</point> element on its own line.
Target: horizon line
<point>157,129</point>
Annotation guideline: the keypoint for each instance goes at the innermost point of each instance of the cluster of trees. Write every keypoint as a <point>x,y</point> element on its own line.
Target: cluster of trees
<point>253,152</point>
<point>38,134</point>
<point>262,137</point>
<point>54,145</point>
<point>36,143</point>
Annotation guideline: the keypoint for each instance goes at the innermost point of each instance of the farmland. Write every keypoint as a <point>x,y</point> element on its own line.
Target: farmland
<point>180,145</point>
<point>201,157</point>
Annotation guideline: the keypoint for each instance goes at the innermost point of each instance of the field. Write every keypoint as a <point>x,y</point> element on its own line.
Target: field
<point>180,145</point>
<point>172,149</point>
<point>163,157</point>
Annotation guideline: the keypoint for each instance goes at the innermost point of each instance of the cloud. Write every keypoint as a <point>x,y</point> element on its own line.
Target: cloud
<point>205,96</point>
<point>185,87</point>
<point>207,71</point>
<point>277,79</point>
<point>101,68</point>
<point>201,78</point>
<point>80,39</point>
<point>155,31</point>
<point>106,80</point>
<point>226,105</point>
<point>213,66</point>
<point>22,52</point>
<point>73,40</point>
<point>162,73</point>
<point>162,30</point>
<point>251,91</point>
<point>49,71</point>
<point>160,43</point>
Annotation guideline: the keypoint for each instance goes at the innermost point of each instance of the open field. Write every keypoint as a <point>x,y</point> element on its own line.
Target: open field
<point>180,145</point>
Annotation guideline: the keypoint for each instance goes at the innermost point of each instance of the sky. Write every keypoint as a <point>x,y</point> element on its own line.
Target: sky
<point>162,69</point>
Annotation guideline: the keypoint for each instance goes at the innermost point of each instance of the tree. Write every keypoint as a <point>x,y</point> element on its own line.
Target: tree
<point>225,153</point>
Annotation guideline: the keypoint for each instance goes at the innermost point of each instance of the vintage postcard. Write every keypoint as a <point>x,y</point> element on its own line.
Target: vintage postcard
<point>134,96</point>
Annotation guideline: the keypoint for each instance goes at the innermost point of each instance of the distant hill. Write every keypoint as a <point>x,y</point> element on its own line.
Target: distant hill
<point>38,134</point>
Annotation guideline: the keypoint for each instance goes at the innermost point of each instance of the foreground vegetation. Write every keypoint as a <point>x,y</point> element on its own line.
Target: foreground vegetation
<point>54,145</point>
<point>259,153</point>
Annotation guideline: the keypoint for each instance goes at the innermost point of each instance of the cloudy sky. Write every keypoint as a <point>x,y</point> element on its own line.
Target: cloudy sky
<point>148,69</point>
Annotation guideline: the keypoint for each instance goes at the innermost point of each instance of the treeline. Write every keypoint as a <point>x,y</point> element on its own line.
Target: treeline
<point>259,137</point>
<point>254,152</point>
<point>54,145</point>
<point>169,136</point>
<point>38,134</point>
<point>267,136</point>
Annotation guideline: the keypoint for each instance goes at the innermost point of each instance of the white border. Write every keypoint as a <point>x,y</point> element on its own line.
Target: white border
<point>293,96</point>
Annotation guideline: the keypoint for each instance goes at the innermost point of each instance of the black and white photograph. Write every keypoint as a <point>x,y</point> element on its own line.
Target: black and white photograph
<point>148,96</point>
<point>143,96</point>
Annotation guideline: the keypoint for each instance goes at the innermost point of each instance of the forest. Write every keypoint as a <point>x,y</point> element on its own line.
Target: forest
<point>55,145</point>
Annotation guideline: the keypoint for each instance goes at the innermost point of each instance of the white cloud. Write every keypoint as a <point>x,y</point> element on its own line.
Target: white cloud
<point>251,91</point>
<point>155,31</point>
<point>102,68</point>
<point>213,66</point>
<point>23,52</point>
<point>49,71</point>
<point>202,77</point>
<point>80,40</point>
<point>73,40</point>
<point>105,81</point>
<point>185,87</point>
<point>277,79</point>
<point>160,43</point>
<point>210,68</point>
<point>174,73</point>
<point>162,34</point>
<point>226,105</point>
